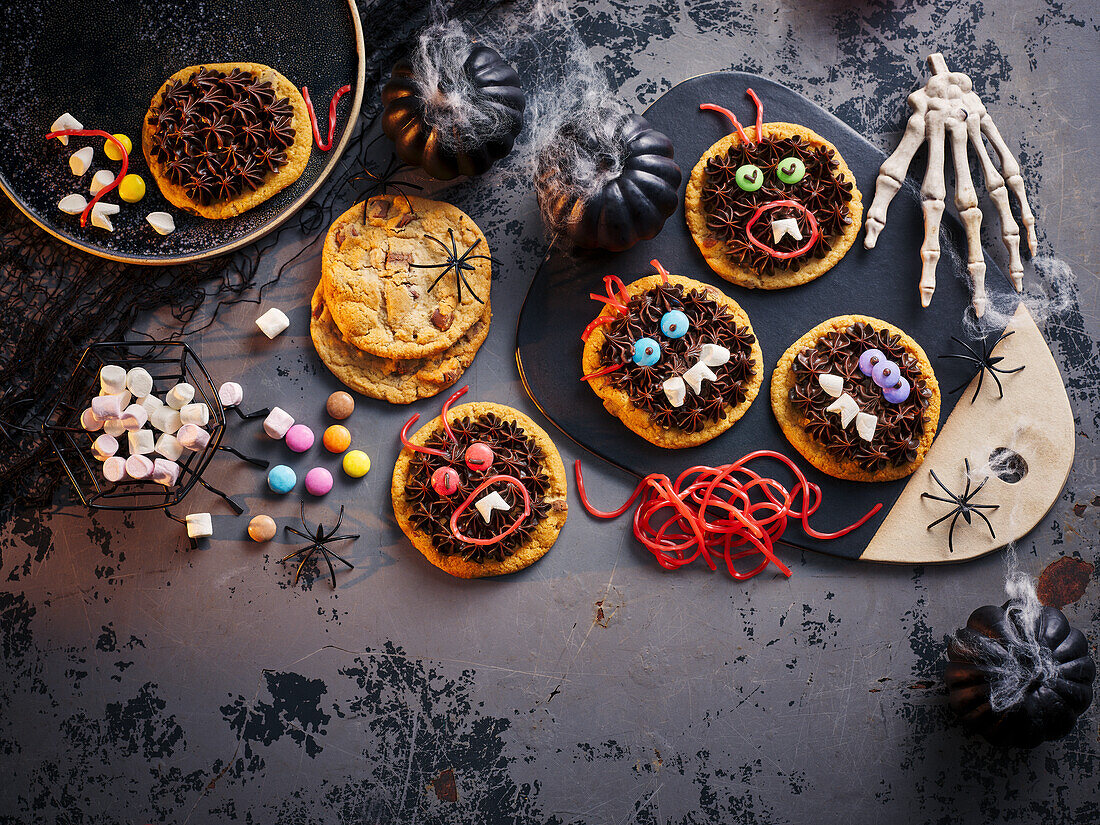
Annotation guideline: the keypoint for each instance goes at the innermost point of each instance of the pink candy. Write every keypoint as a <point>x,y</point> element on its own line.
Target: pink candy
<point>318,481</point>
<point>300,438</point>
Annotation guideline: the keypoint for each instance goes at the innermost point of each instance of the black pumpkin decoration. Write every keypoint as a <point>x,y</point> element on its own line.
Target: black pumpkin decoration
<point>1048,704</point>
<point>497,89</point>
<point>624,209</point>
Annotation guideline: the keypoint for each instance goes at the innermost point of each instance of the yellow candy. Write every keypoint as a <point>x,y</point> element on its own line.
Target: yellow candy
<point>336,438</point>
<point>356,463</point>
<point>132,188</point>
<point>111,151</point>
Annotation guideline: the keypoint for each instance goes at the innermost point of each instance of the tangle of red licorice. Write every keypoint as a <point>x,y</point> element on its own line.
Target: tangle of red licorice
<point>324,147</point>
<point>731,512</point>
<point>121,172</point>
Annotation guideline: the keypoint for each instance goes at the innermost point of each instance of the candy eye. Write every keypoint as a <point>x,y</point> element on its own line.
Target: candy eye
<point>749,177</point>
<point>445,481</point>
<point>869,360</point>
<point>790,170</point>
<point>674,324</point>
<point>479,456</point>
<point>647,352</point>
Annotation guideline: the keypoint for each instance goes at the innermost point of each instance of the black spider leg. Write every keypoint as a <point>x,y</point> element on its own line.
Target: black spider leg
<point>249,416</point>
<point>963,505</point>
<point>318,544</point>
<point>985,362</point>
<point>385,181</point>
<point>262,463</point>
<point>459,263</point>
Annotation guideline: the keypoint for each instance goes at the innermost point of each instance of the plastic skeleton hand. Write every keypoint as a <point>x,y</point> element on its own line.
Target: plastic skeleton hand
<point>948,107</point>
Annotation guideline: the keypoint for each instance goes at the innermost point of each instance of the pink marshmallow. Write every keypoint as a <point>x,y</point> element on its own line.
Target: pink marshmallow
<point>107,407</point>
<point>165,472</point>
<point>139,467</point>
<point>192,437</point>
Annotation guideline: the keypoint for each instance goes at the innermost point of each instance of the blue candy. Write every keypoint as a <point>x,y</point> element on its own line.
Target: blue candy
<point>281,479</point>
<point>868,360</point>
<point>674,324</point>
<point>647,352</point>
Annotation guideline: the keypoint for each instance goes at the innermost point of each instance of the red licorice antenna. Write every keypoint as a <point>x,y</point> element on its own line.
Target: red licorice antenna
<point>599,320</point>
<point>710,107</point>
<point>121,172</point>
<point>664,272</point>
<point>416,448</point>
<point>324,147</point>
<point>512,480</point>
<point>447,408</point>
<point>601,373</point>
<point>759,114</point>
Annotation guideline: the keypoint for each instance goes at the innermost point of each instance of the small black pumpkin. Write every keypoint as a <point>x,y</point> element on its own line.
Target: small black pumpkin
<point>627,208</point>
<point>496,89</point>
<point>1048,703</point>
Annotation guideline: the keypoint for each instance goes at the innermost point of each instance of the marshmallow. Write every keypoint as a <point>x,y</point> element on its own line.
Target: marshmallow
<point>199,526</point>
<point>180,395</point>
<point>198,414</point>
<point>73,204</point>
<point>106,407</point>
<point>847,407</point>
<point>112,379</point>
<point>104,177</point>
<point>139,467</point>
<point>272,322</point>
<point>65,123</point>
<point>165,419</point>
<point>89,422</point>
<point>101,215</point>
<point>104,447</point>
<point>278,421</point>
<point>192,437</point>
<point>230,394</point>
<point>141,441</point>
<point>114,468</point>
<point>139,382</point>
<point>832,384</point>
<point>114,427</point>
<point>80,160</point>
<point>165,472</point>
<point>784,227</point>
<point>675,390</point>
<point>164,223</point>
<point>697,375</point>
<point>714,355</point>
<point>151,402</point>
<point>134,417</point>
<point>865,425</point>
<point>169,446</point>
<point>493,501</point>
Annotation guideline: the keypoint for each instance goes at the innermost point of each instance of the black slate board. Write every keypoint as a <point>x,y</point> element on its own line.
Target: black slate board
<point>881,283</point>
<point>102,60</point>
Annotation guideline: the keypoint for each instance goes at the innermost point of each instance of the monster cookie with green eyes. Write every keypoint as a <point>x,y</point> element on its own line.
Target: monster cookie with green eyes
<point>773,207</point>
<point>675,359</point>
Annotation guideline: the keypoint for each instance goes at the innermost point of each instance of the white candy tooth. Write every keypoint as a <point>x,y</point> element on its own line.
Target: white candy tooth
<point>66,121</point>
<point>847,407</point>
<point>81,160</point>
<point>714,355</point>
<point>104,177</point>
<point>697,375</point>
<point>493,501</point>
<point>865,425</point>
<point>72,204</point>
<point>101,215</point>
<point>164,223</point>
<point>832,384</point>
<point>675,390</point>
<point>784,227</point>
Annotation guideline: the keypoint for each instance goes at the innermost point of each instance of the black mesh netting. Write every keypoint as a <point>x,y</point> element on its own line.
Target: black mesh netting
<point>55,300</point>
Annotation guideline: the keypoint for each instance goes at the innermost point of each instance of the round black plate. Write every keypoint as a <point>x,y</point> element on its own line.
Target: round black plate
<point>102,60</point>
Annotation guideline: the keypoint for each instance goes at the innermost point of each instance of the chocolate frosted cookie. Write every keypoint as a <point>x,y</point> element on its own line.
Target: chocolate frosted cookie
<point>675,359</point>
<point>224,137</point>
<point>773,206</point>
<point>858,398</point>
<point>480,491</point>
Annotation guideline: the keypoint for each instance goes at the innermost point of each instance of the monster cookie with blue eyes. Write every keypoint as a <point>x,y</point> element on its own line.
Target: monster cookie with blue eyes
<point>675,359</point>
<point>772,207</point>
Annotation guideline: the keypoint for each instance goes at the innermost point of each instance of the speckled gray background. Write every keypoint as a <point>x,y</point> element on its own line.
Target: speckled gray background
<point>145,682</point>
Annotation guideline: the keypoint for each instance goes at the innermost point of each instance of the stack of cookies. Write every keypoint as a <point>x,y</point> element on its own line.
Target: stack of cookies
<point>403,303</point>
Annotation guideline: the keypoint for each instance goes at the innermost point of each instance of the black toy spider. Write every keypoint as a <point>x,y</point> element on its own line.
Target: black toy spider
<point>319,544</point>
<point>383,182</point>
<point>460,263</point>
<point>985,362</point>
<point>963,505</point>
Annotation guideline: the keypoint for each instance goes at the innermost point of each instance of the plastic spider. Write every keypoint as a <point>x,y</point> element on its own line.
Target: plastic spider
<point>985,362</point>
<point>963,505</point>
<point>382,183</point>
<point>319,544</point>
<point>948,109</point>
<point>459,262</point>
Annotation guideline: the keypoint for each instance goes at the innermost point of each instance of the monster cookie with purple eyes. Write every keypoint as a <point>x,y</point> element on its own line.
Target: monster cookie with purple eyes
<point>858,398</point>
<point>675,359</point>
<point>772,207</point>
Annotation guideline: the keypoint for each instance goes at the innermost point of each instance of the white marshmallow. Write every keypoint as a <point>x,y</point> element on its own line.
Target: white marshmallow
<point>151,402</point>
<point>832,384</point>
<point>493,501</point>
<point>785,226</point>
<point>104,447</point>
<point>141,442</point>
<point>169,446</point>
<point>675,390</point>
<point>165,419</point>
<point>192,437</point>
<point>278,421</point>
<point>114,427</point>
<point>165,472</point>
<point>114,468</point>
<point>697,375</point>
<point>197,414</point>
<point>714,355</point>
<point>272,322</point>
<point>64,123</point>
<point>199,526</point>
<point>89,422</point>
<point>230,394</point>
<point>80,160</point>
<point>134,417</point>
<point>73,204</point>
<point>847,407</point>
<point>104,177</point>
<point>112,379</point>
<point>164,223</point>
<point>101,215</point>
<point>865,425</point>
<point>139,382</point>
<point>139,467</point>
<point>107,407</point>
<point>180,395</point>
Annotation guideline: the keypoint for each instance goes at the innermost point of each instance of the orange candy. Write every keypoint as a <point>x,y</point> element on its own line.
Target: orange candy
<point>337,438</point>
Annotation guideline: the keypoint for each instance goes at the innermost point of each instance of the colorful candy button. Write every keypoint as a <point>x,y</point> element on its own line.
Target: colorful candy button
<point>132,188</point>
<point>868,360</point>
<point>790,170</point>
<point>445,481</point>
<point>340,405</point>
<point>647,352</point>
<point>885,374</point>
<point>674,324</point>
<point>299,438</point>
<point>318,481</point>
<point>111,151</point>
<point>749,177</point>
<point>281,478</point>
<point>898,393</point>
<point>261,528</point>
<point>336,439</point>
<point>356,463</point>
<point>479,456</point>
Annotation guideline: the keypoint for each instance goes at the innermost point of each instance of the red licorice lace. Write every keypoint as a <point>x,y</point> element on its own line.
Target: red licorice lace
<point>324,147</point>
<point>728,511</point>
